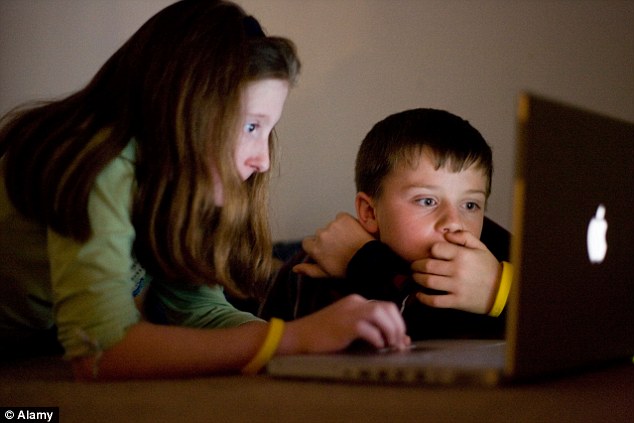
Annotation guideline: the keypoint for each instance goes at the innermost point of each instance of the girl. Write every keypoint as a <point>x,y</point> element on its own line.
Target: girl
<point>133,204</point>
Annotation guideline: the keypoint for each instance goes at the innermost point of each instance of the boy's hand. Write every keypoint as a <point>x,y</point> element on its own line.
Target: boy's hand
<point>333,247</point>
<point>464,268</point>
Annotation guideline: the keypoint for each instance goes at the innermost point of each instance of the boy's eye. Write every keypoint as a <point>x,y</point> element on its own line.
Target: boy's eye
<point>250,127</point>
<point>472,206</point>
<point>427,202</point>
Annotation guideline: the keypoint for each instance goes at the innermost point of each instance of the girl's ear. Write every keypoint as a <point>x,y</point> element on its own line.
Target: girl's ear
<point>366,213</point>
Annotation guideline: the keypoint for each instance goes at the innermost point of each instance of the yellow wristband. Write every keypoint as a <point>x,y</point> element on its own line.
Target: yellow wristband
<point>268,348</point>
<point>503,291</point>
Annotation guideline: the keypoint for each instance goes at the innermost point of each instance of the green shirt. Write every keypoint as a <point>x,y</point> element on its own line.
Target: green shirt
<point>86,289</point>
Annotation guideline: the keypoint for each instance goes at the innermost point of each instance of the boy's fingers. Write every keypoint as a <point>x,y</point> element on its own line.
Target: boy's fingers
<point>443,250</point>
<point>309,243</point>
<point>311,270</point>
<point>464,238</point>
<point>436,301</point>
<point>432,266</point>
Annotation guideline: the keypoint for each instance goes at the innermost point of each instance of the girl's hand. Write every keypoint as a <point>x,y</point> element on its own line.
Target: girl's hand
<point>338,325</point>
<point>464,268</point>
<point>333,247</point>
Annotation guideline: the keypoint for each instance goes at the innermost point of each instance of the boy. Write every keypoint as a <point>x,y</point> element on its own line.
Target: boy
<point>423,177</point>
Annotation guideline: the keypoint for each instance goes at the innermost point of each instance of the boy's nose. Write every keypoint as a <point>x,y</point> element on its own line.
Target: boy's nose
<point>449,220</point>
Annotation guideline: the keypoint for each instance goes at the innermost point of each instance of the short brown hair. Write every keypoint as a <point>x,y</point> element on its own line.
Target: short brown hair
<point>400,138</point>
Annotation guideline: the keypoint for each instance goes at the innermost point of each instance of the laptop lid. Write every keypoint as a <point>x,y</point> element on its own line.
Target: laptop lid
<point>572,300</point>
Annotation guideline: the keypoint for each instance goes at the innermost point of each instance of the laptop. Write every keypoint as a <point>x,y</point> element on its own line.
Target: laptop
<point>572,296</point>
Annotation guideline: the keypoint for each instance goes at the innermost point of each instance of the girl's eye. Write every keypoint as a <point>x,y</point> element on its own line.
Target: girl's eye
<point>250,127</point>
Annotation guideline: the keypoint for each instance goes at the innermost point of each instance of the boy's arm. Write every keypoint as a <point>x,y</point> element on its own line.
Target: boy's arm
<point>469,280</point>
<point>345,250</point>
<point>333,247</point>
<point>377,272</point>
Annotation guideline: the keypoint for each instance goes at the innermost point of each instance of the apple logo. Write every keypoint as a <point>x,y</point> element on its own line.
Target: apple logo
<point>597,243</point>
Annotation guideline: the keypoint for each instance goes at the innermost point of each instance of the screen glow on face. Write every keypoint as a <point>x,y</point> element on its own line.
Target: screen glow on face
<point>262,105</point>
<point>419,205</point>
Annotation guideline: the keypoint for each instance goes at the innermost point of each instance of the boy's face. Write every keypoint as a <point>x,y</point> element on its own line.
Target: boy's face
<point>419,205</point>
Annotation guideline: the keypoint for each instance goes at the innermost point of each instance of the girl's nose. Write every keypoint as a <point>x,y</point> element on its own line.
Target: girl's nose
<point>260,160</point>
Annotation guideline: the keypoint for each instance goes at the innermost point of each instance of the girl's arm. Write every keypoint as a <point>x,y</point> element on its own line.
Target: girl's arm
<point>152,351</point>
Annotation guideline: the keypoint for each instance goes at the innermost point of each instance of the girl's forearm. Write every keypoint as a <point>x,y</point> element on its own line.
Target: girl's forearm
<point>156,351</point>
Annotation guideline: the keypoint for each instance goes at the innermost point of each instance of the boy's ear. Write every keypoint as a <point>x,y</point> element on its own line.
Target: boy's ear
<point>366,213</point>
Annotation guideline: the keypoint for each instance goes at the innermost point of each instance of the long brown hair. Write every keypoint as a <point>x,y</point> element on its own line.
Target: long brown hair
<point>175,88</point>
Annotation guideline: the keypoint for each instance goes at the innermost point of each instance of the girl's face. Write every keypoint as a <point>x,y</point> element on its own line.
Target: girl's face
<point>418,206</point>
<point>262,104</point>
